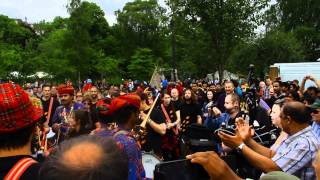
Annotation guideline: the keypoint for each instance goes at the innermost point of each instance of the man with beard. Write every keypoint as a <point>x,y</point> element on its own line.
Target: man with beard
<point>190,111</point>
<point>156,126</point>
<point>94,95</point>
<point>232,106</point>
<point>48,102</point>
<point>229,88</point>
<point>66,110</point>
<point>170,145</point>
<point>276,89</point>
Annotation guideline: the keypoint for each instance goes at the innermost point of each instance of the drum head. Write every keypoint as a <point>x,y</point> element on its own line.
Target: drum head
<point>149,162</point>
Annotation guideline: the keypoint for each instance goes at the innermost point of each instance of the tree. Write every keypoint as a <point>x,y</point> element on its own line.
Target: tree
<point>301,17</point>
<point>141,24</point>
<point>109,67</point>
<point>53,58</point>
<point>87,29</point>
<point>11,60</point>
<point>227,22</point>
<point>44,28</point>
<point>16,45</point>
<point>142,64</point>
<point>275,47</point>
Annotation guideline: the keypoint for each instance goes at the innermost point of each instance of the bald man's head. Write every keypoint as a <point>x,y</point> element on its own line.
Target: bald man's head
<point>175,93</point>
<point>297,111</point>
<point>86,157</point>
<point>74,158</point>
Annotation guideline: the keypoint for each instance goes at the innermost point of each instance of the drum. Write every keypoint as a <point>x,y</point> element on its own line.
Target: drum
<point>149,161</point>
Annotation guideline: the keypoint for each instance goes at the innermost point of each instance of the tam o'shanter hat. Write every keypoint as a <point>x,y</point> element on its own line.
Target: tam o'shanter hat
<point>17,109</point>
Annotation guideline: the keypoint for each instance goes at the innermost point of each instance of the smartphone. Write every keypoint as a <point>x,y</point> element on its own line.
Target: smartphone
<point>180,170</point>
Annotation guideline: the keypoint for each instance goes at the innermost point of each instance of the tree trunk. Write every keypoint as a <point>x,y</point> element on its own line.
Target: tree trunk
<point>220,71</point>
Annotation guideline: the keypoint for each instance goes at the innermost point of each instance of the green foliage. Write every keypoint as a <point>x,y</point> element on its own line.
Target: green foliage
<point>142,64</point>
<point>275,47</point>
<point>227,23</point>
<point>53,56</point>
<point>206,36</point>
<point>110,69</point>
<point>11,60</point>
<point>141,24</point>
<point>301,17</point>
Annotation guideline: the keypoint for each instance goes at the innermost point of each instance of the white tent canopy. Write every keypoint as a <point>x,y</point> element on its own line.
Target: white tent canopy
<point>39,74</point>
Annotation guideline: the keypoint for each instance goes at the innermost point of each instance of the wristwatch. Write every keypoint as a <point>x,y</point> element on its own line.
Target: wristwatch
<point>240,147</point>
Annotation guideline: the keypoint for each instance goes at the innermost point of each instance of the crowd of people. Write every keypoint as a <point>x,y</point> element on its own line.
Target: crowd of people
<point>101,132</point>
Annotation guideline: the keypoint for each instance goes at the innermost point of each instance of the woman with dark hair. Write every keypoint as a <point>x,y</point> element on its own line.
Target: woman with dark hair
<point>80,124</point>
<point>92,110</point>
<point>207,104</point>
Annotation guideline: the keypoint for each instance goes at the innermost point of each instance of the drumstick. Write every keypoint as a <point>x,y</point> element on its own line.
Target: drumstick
<point>144,122</point>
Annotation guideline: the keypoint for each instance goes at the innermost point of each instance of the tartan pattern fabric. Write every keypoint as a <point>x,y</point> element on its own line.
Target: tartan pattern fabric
<point>17,109</point>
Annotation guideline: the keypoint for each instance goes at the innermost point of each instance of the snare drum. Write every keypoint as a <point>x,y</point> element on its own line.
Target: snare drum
<point>149,161</point>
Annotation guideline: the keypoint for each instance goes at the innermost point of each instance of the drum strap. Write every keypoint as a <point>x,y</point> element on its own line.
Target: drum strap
<point>168,120</point>
<point>19,168</point>
<point>50,109</point>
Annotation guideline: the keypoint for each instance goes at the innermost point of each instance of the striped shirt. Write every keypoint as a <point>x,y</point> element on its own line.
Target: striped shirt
<point>316,129</point>
<point>296,153</point>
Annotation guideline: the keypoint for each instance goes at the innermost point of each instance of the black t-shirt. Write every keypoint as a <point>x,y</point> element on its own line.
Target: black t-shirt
<point>189,113</point>
<point>6,163</point>
<point>153,138</point>
<point>220,102</point>
<point>232,121</point>
<point>176,104</point>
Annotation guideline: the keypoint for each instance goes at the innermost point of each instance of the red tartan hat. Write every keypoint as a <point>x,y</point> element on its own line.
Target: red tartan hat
<point>17,110</point>
<point>121,101</point>
<point>64,89</point>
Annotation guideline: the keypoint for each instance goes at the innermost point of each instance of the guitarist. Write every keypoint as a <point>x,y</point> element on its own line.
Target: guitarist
<point>170,143</point>
<point>155,128</point>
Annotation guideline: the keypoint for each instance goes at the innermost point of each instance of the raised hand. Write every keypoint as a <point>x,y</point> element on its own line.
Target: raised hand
<point>245,131</point>
<point>229,140</point>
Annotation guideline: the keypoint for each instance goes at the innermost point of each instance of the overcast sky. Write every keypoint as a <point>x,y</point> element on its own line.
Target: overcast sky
<point>37,10</point>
